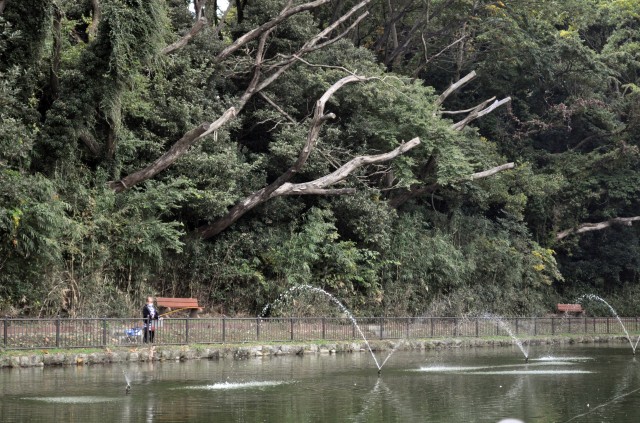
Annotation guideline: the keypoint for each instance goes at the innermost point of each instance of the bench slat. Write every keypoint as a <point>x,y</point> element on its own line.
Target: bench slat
<point>574,308</point>
<point>177,302</point>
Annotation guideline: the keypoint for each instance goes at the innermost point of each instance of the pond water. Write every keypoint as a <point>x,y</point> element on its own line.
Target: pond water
<point>558,384</point>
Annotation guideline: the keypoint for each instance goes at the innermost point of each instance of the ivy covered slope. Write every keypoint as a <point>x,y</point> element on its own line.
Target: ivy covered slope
<point>439,157</point>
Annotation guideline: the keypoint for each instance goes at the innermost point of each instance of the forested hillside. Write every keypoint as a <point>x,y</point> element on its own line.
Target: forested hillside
<point>411,157</point>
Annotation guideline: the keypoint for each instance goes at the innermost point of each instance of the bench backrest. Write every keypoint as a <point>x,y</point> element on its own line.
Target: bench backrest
<point>177,302</point>
<point>570,307</point>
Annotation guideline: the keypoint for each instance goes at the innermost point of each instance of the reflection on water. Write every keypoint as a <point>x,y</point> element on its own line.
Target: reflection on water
<point>586,384</point>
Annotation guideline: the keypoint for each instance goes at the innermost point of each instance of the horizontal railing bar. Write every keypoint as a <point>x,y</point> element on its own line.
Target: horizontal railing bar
<point>59,332</point>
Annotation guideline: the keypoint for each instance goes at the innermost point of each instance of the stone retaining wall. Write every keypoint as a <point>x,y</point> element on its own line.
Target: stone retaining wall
<point>216,352</point>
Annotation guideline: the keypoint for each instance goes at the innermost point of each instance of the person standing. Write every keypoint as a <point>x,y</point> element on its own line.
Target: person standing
<point>150,318</point>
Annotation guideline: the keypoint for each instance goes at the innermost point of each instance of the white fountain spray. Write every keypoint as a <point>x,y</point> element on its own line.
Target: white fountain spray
<point>343,309</point>
<point>613,312</point>
<point>507,328</point>
<point>127,390</point>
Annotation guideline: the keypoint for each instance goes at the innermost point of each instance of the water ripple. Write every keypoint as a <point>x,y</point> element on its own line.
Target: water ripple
<point>235,385</point>
<point>72,400</point>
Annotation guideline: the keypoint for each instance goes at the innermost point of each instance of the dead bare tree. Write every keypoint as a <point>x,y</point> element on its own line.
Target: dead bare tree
<point>261,79</point>
<point>281,186</point>
<point>473,113</point>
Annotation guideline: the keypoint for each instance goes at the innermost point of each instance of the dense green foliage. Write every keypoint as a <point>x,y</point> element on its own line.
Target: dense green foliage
<point>87,96</point>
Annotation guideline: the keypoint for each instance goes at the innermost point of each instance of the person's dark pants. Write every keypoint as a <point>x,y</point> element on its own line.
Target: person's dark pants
<point>148,335</point>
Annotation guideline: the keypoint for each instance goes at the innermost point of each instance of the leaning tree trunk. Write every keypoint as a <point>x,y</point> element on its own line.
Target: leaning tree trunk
<point>281,185</point>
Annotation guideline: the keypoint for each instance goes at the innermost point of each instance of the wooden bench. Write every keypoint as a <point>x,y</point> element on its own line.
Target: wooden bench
<point>570,308</point>
<point>176,304</point>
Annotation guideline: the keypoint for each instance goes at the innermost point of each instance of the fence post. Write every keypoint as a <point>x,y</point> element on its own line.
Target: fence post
<point>58,332</point>
<point>455,327</point>
<point>553,326</point>
<point>516,325</point>
<point>186,330</point>
<point>607,326</point>
<point>224,329</point>
<point>324,328</point>
<point>6,324</point>
<point>407,326</point>
<point>381,327</point>
<point>585,326</point>
<point>477,327</point>
<point>432,325</point>
<point>535,326</point>
<point>257,328</point>
<point>291,328</point>
<point>104,331</point>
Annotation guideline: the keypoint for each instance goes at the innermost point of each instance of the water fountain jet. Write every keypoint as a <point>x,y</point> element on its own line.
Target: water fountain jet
<point>346,312</point>
<point>505,326</point>
<point>615,314</point>
<point>127,390</point>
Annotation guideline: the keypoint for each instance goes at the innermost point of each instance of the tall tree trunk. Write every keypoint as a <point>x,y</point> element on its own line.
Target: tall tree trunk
<point>95,19</point>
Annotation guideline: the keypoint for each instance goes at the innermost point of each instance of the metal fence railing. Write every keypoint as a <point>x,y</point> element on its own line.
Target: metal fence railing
<point>106,332</point>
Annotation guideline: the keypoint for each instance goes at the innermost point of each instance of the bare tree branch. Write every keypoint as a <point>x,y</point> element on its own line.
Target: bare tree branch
<point>454,87</point>
<point>314,43</point>
<point>417,189</point>
<point>222,23</point>
<point>256,32</point>
<point>435,56</point>
<point>278,108</point>
<point>318,191</point>
<point>588,227</point>
<point>200,23</point>
<point>308,47</point>
<point>492,171</point>
<point>395,54</point>
<point>176,151</point>
<point>479,111</point>
<point>459,112</point>
<point>343,171</point>
<point>262,195</point>
<point>256,85</point>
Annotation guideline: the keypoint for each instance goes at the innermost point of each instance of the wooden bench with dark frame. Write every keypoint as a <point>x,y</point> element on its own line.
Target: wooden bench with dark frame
<point>570,308</point>
<point>172,305</point>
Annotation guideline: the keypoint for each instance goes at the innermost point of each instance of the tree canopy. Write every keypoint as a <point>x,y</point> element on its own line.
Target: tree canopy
<point>412,157</point>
